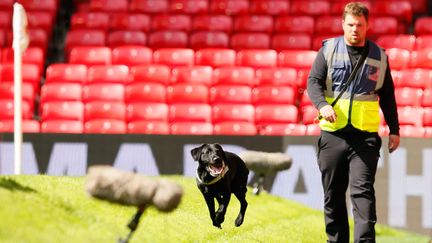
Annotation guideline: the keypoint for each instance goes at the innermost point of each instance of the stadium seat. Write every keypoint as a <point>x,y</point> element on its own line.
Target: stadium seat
<point>90,55</point>
<point>233,112</point>
<point>7,108</point>
<point>240,94</point>
<point>59,91</point>
<point>276,76</point>
<point>108,74</point>
<point>41,20</point>
<point>305,100</point>
<point>148,127</point>
<point>190,112</point>
<point>2,38</point>
<point>427,97</point>
<point>216,22</point>
<point>194,75</point>
<point>32,55</point>
<point>290,129</point>
<point>296,58</point>
<point>62,126</point>
<point>62,110</point>
<point>190,7</point>
<point>147,111</point>
<point>191,128</point>
<point>84,37</point>
<point>411,131</point>
<point>103,92</point>
<point>421,58</point>
<point>401,41</point>
<point>5,20</point>
<point>30,74</point>
<point>209,39</point>
<point>416,78</point>
<point>379,26</point>
<point>408,96</point>
<point>152,73</point>
<point>234,76</point>
<point>130,21</point>
<point>308,114</point>
<point>174,57</point>
<point>229,7</point>
<point>427,116</point>
<point>273,7</point>
<point>317,41</point>
<point>28,126</point>
<point>63,72</point>
<point>234,128</point>
<point>109,6</point>
<point>295,24</point>
<point>401,10</point>
<point>423,42</point>
<point>253,23</point>
<point>178,22</point>
<point>337,6</point>
<point>38,5</point>
<point>311,8</point>
<point>145,92</point>
<point>313,130</point>
<point>293,41</point>
<point>168,39</point>
<point>257,58</point>
<point>275,113</point>
<point>423,26</point>
<point>148,6</point>
<point>90,20</point>
<point>126,37</point>
<point>215,57</point>
<point>250,40</point>
<point>329,25</point>
<point>131,55</point>
<point>428,132</point>
<point>104,110</point>
<point>187,92</point>
<point>302,76</point>
<point>273,95</point>
<point>28,92</point>
<point>410,116</point>
<point>398,59</point>
<point>105,126</point>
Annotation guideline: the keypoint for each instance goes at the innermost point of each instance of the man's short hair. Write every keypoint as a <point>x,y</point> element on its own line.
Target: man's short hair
<point>356,9</point>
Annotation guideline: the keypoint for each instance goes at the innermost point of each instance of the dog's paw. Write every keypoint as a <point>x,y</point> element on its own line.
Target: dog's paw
<point>239,220</point>
<point>220,218</point>
<point>217,225</point>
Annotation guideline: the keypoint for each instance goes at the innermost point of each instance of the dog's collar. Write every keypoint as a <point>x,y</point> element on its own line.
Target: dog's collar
<point>216,179</point>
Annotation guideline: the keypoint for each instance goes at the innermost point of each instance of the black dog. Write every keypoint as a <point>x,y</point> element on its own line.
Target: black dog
<point>219,174</point>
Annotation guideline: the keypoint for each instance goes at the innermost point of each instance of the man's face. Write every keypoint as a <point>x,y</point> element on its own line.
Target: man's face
<point>355,28</point>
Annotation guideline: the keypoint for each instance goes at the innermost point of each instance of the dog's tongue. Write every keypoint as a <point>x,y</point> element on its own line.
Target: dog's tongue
<point>216,169</point>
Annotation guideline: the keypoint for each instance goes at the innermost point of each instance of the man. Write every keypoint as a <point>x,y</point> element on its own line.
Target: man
<point>349,144</point>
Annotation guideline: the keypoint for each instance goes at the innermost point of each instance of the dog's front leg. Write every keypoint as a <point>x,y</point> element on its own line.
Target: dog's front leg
<point>211,207</point>
<point>223,200</point>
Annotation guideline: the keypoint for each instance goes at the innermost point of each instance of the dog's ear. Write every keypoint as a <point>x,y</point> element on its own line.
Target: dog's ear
<point>195,152</point>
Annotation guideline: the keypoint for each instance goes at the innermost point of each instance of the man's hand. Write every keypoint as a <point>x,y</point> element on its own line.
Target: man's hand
<point>393,143</point>
<point>328,113</point>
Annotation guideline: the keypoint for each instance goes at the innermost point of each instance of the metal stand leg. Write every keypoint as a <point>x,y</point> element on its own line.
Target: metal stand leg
<point>133,224</point>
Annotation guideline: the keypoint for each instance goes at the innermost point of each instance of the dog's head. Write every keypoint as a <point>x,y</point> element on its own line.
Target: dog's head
<point>210,157</point>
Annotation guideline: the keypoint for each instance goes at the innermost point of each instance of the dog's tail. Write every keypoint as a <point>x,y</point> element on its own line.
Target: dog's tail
<point>265,162</point>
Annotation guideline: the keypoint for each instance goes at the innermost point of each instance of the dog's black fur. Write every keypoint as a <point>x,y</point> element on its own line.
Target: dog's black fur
<point>211,160</point>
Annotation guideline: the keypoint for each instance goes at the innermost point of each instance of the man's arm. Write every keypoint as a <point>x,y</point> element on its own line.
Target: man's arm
<point>316,81</point>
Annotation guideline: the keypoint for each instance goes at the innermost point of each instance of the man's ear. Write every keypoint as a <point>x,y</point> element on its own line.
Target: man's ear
<point>195,152</point>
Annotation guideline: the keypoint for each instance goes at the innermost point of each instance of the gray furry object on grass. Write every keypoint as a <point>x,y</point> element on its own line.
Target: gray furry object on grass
<point>265,162</point>
<point>107,183</point>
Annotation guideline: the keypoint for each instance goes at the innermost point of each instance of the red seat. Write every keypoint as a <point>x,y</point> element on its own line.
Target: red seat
<point>215,22</point>
<point>178,22</point>
<point>428,132</point>
<point>28,126</point>
<point>194,75</point>
<point>174,57</point>
<point>57,91</point>
<point>401,41</point>
<point>62,110</point>
<point>148,127</point>
<point>234,76</point>
<point>126,37</point>
<point>149,6</point>
<point>7,109</point>
<point>250,41</point>
<point>90,20</point>
<point>105,110</point>
<point>145,92</point>
<point>408,96</point>
<point>416,78</point>
<point>229,7</point>
<point>190,112</point>
<point>132,55</point>
<point>309,114</point>
<point>84,37</point>
<point>108,74</point>
<point>401,10</point>
<point>296,59</point>
<point>276,76</point>
<point>273,95</point>
<point>39,5</point>
<point>109,5</point>
<point>7,3</point>
<point>427,116</point>
<point>423,42</point>
<point>30,74</point>
<point>274,7</point>
<point>427,97</point>
<point>410,115</point>
<point>281,42</point>
<point>130,21</point>
<point>329,25</point>
<point>253,23</point>
<point>215,57</point>
<point>283,130</point>
<point>41,19</point>
<point>105,126</point>
<point>90,55</point>
<point>305,100</point>
<point>186,92</point>
<point>317,41</point>
<point>5,19</point>
<point>235,128</point>
<point>313,130</point>
<point>168,38</point>
<point>337,6</point>
<point>63,72</point>
<point>2,38</point>
<point>240,94</point>
<point>62,126</point>
<point>382,26</point>
<point>411,131</point>
<point>103,92</point>
<point>233,112</point>
<point>421,58</point>
<point>398,58</point>
<point>139,111</point>
<point>311,8</point>
<point>27,91</point>
<point>275,113</point>
<point>32,55</point>
<point>423,26</point>
<point>191,128</point>
<point>257,58</point>
<point>153,73</point>
<point>209,39</point>
<point>188,7</point>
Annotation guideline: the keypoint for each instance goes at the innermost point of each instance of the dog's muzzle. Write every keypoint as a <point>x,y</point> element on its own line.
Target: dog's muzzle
<point>216,169</point>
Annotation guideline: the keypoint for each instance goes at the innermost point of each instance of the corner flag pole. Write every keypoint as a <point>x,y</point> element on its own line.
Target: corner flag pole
<point>20,43</point>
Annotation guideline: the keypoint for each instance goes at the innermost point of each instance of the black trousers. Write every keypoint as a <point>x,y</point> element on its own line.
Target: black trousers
<point>349,158</point>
